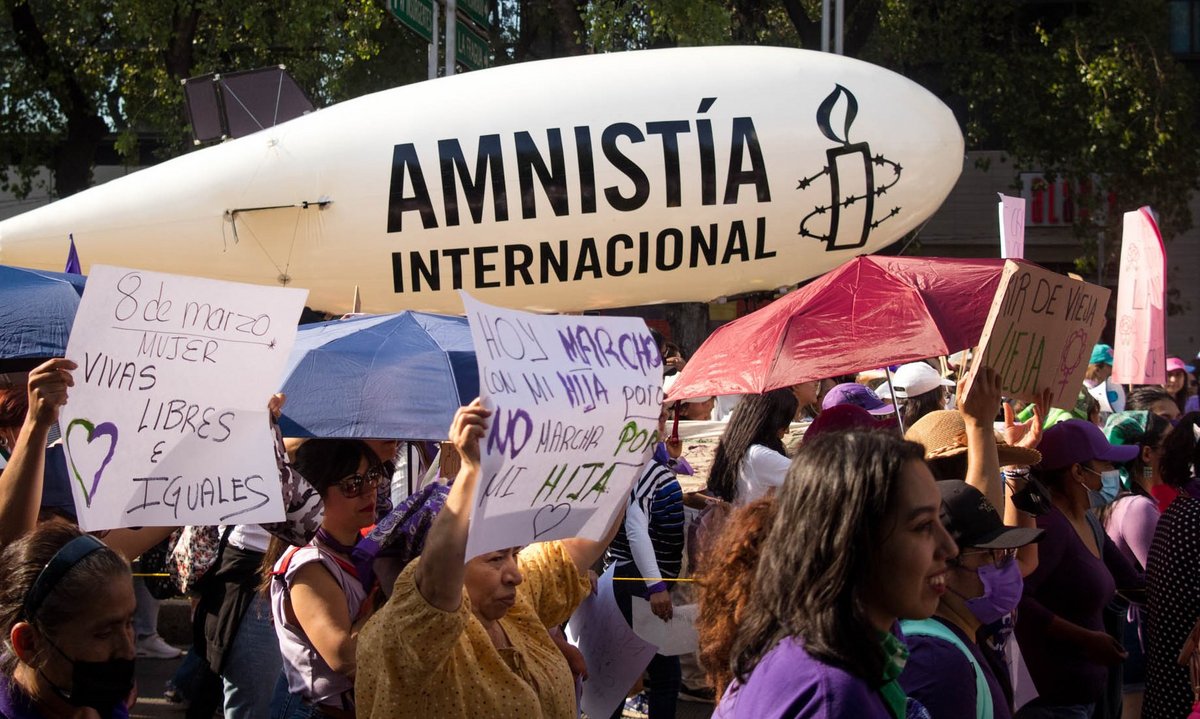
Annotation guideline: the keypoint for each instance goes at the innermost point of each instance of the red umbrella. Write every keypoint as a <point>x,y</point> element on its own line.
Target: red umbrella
<point>870,312</point>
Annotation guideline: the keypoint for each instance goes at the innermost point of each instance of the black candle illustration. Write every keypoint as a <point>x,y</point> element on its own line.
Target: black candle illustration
<point>849,153</point>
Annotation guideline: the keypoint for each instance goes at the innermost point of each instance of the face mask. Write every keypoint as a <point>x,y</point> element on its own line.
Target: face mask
<point>1110,487</point>
<point>1001,591</point>
<point>99,685</point>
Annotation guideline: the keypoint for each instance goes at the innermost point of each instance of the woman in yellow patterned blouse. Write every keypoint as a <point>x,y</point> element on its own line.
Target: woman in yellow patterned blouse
<point>459,640</point>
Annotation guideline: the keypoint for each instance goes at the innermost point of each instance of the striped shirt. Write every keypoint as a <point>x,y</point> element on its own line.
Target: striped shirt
<point>651,536</point>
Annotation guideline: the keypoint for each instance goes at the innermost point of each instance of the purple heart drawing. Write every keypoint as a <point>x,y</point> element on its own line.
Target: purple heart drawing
<point>104,429</point>
<point>549,517</point>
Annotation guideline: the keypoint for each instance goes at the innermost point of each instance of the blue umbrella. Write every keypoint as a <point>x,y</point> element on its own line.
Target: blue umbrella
<point>398,376</point>
<point>37,309</point>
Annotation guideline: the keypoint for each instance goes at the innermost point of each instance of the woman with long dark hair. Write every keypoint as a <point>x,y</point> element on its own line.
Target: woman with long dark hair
<point>1180,462</point>
<point>1177,381</point>
<point>750,458</point>
<point>855,544</point>
<point>317,598</point>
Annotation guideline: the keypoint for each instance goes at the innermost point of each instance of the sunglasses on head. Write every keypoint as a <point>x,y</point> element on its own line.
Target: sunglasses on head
<point>355,484</point>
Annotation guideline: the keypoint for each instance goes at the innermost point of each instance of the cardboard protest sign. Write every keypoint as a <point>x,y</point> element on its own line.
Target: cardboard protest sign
<point>1139,352</point>
<point>167,422</point>
<point>575,404</point>
<point>615,655</point>
<point>1040,331</point>
<point>1012,227</point>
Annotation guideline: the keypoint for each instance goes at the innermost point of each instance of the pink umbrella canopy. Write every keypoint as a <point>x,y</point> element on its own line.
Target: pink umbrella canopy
<point>870,312</point>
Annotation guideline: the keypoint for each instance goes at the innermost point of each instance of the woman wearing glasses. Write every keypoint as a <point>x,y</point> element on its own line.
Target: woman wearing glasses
<point>949,671</point>
<point>317,600</point>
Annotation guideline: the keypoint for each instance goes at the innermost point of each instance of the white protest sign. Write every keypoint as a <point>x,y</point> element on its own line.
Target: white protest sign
<point>673,637</point>
<point>1139,354</point>
<point>1012,227</point>
<point>575,403</point>
<point>167,422</point>
<point>615,655</point>
<point>1040,332</point>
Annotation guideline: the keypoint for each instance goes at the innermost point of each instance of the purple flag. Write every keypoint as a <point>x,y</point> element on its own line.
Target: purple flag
<point>73,266</point>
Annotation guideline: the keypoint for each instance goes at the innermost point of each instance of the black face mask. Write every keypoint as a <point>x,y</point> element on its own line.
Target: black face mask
<point>99,685</point>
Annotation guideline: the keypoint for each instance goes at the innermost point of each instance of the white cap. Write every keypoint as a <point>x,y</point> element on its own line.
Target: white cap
<point>885,392</point>
<point>917,378</point>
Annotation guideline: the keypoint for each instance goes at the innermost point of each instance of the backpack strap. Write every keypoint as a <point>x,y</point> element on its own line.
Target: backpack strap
<point>933,628</point>
<point>283,564</point>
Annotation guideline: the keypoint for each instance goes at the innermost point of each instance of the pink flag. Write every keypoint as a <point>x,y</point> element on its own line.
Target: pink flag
<point>1139,354</point>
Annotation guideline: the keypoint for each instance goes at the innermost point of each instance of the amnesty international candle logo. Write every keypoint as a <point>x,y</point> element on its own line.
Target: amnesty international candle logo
<point>852,182</point>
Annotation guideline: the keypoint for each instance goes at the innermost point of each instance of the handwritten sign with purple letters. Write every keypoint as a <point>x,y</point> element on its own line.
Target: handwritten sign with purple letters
<point>575,404</point>
<point>167,422</point>
<point>1040,332</point>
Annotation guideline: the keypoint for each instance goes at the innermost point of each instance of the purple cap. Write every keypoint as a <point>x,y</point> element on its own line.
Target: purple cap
<point>1076,441</point>
<point>858,395</point>
<point>842,418</point>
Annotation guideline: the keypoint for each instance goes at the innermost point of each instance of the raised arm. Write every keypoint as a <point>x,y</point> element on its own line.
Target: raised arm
<point>978,409</point>
<point>21,482</point>
<point>442,570</point>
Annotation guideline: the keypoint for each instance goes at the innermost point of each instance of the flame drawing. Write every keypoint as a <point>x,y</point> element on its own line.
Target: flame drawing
<point>836,201</point>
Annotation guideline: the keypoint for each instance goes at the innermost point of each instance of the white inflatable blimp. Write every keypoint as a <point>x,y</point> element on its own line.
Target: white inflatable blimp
<point>561,185</point>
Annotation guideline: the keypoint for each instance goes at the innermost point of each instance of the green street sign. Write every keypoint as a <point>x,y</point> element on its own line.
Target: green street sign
<point>476,10</point>
<point>471,50</point>
<point>416,15</point>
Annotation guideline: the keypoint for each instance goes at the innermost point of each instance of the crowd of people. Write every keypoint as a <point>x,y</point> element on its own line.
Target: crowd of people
<point>896,544</point>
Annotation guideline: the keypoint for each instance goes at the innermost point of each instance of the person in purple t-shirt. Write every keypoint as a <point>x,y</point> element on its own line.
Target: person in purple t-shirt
<point>1060,623</point>
<point>947,670</point>
<point>856,543</point>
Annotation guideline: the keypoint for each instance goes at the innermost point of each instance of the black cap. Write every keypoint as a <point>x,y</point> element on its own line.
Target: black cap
<point>973,522</point>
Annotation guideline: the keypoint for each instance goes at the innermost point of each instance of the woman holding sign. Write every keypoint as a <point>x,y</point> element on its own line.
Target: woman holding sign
<point>462,638</point>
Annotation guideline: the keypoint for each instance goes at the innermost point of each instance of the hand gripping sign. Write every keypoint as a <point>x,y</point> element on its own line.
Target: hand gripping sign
<point>167,422</point>
<point>575,404</point>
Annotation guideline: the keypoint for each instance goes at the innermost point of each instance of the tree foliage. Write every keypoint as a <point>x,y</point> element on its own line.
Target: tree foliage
<point>1085,92</point>
<point>76,71</point>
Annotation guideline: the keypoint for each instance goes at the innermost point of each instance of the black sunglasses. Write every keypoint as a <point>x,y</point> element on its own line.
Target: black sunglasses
<point>353,485</point>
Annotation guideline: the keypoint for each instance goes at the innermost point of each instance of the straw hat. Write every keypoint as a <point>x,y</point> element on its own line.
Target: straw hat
<point>944,434</point>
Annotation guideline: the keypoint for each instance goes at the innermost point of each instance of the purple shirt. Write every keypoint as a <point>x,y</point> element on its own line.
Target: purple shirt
<point>1071,583</point>
<point>941,677</point>
<point>790,684</point>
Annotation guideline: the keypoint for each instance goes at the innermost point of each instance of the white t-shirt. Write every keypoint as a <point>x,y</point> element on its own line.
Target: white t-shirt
<point>761,469</point>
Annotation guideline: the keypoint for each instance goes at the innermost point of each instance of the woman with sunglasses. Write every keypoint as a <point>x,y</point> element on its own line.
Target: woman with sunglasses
<point>317,600</point>
<point>949,670</point>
